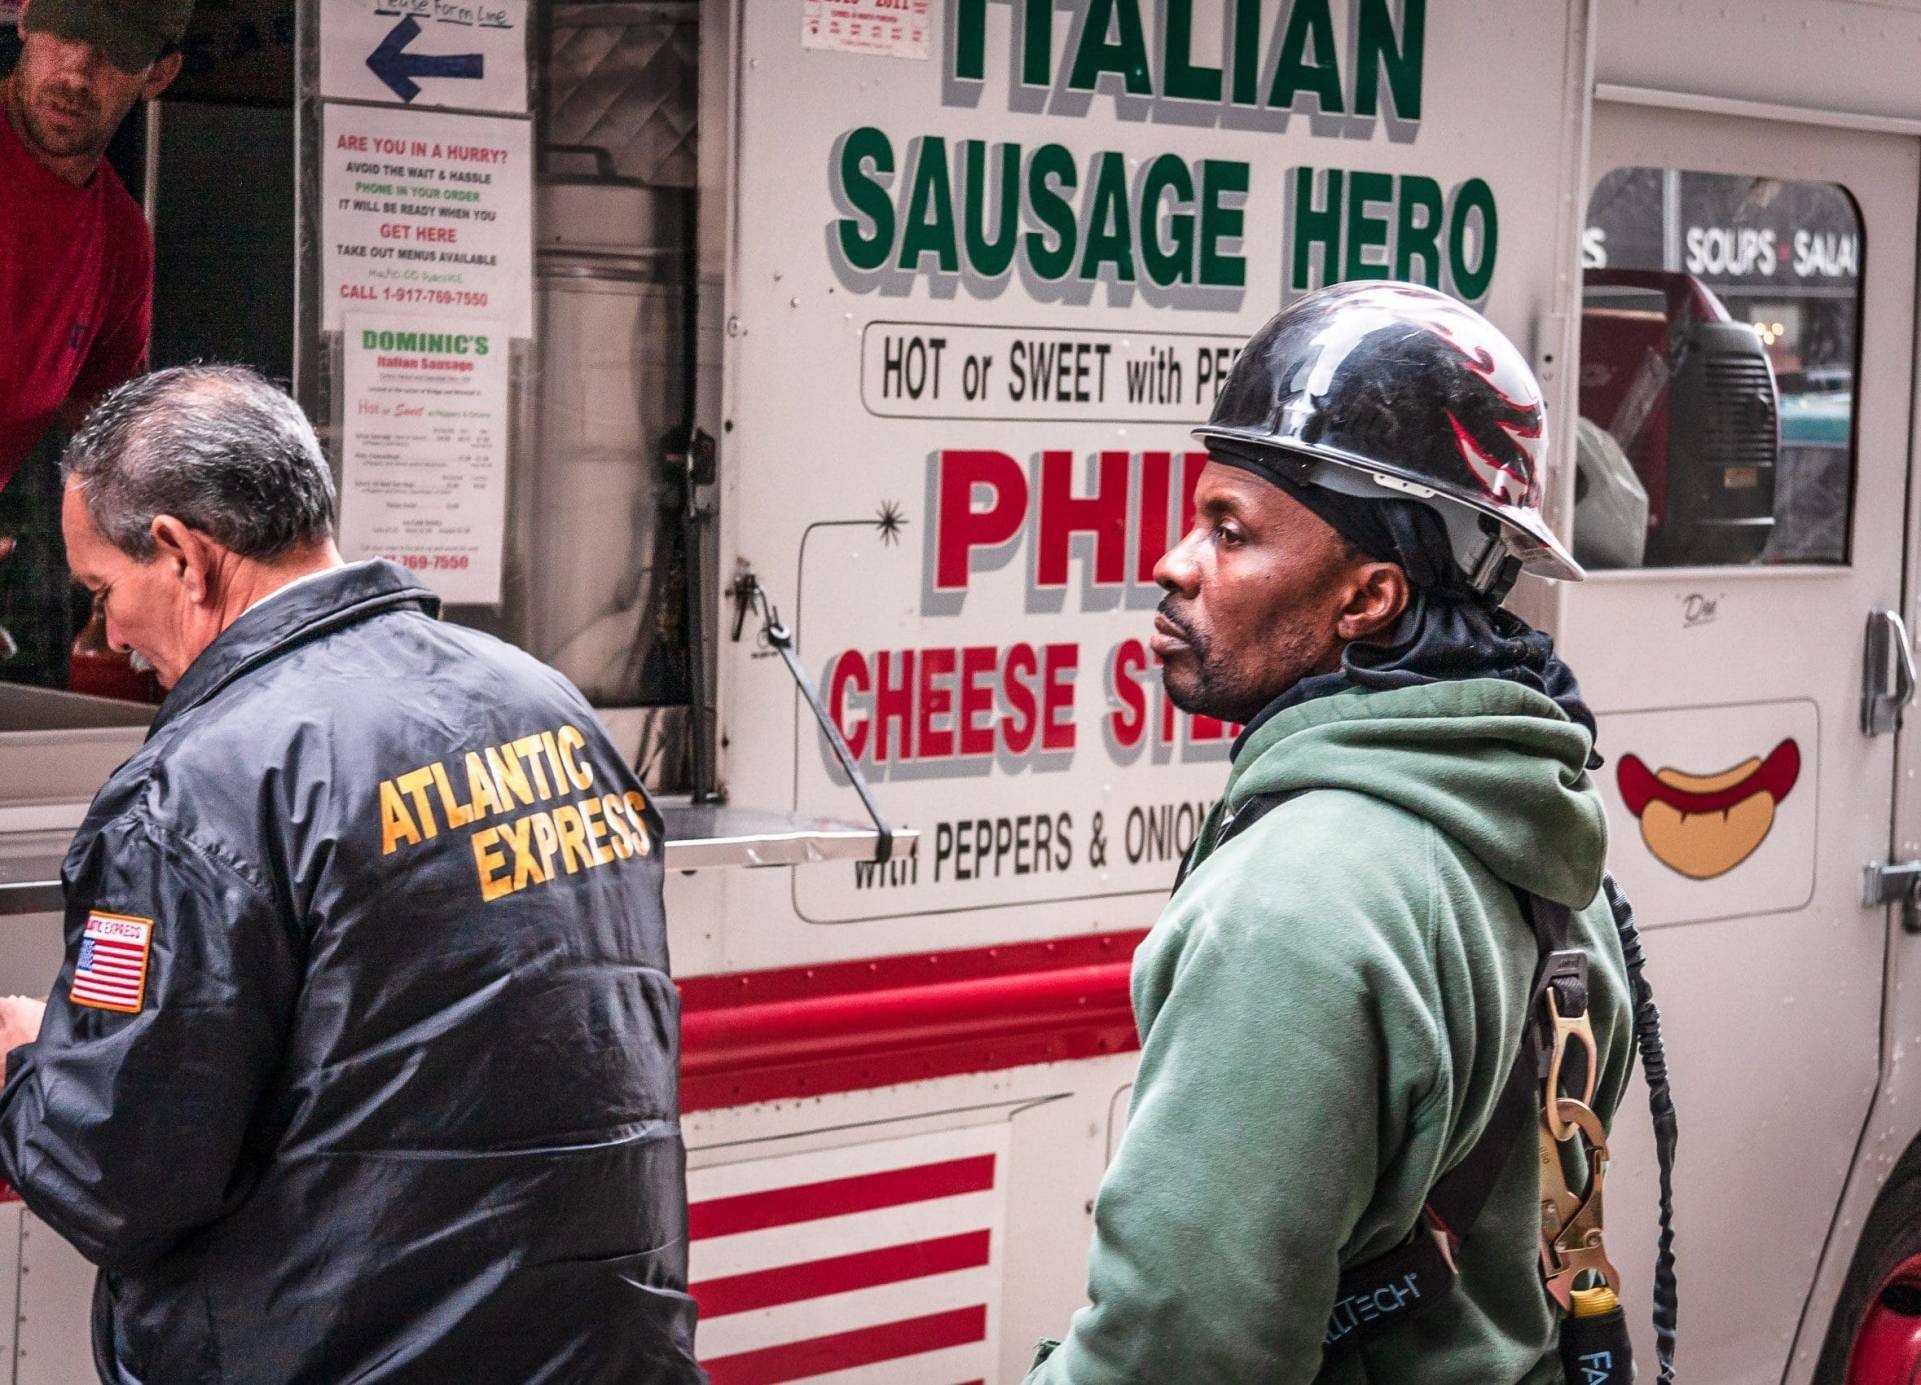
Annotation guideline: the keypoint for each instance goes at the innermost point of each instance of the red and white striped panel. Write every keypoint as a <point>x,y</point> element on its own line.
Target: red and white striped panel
<point>872,1263</point>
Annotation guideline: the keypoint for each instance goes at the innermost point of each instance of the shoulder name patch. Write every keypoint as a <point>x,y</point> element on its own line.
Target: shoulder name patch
<point>112,971</point>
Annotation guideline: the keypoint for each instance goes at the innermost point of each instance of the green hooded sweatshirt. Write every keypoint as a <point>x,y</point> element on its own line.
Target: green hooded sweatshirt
<point>1328,1008</point>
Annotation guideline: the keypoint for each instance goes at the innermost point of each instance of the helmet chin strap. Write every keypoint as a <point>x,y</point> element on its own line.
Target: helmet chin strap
<point>1482,556</point>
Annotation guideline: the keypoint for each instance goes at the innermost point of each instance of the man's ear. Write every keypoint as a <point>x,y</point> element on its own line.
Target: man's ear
<point>159,77</point>
<point>189,555</point>
<point>1377,593</point>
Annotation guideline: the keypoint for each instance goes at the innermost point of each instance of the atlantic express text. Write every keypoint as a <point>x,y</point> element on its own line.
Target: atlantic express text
<point>589,831</point>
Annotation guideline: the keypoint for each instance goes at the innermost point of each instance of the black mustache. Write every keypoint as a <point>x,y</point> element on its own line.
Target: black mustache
<point>1173,618</point>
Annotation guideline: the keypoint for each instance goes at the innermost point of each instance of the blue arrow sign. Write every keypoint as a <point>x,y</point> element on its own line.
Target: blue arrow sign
<point>392,64</point>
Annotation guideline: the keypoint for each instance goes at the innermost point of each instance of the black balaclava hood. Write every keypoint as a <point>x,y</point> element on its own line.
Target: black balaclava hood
<point>1448,630</point>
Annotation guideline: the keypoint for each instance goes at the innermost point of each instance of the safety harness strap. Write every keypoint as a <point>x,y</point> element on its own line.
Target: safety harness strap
<point>1455,1202</point>
<point>1234,821</point>
<point>1458,1197</point>
<point>1390,1288</point>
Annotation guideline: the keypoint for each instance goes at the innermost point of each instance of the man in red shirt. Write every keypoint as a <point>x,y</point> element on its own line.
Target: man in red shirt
<point>76,258</point>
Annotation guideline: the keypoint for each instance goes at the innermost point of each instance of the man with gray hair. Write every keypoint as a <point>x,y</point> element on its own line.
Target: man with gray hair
<point>362,1062</point>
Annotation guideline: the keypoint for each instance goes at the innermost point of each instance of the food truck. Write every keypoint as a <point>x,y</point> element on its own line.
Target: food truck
<point>772,366</point>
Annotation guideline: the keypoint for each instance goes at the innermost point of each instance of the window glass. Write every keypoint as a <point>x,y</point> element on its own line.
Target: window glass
<point>40,608</point>
<point>41,611</point>
<point>222,291</point>
<point>1719,326</point>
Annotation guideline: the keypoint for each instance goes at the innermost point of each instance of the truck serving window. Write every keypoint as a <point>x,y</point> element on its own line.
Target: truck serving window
<point>1719,328</point>
<point>211,164</point>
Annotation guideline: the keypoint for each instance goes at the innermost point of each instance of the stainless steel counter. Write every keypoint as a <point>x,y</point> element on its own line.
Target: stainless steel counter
<point>722,835</point>
<point>30,872</point>
<point>697,838</point>
<point>57,749</point>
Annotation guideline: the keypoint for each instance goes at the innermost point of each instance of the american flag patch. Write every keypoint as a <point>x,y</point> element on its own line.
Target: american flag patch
<point>874,1263</point>
<point>112,971</point>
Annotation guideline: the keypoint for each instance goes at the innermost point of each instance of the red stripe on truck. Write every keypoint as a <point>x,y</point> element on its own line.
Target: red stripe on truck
<point>840,1274</point>
<point>845,1350</point>
<point>847,1026</point>
<point>838,1197</point>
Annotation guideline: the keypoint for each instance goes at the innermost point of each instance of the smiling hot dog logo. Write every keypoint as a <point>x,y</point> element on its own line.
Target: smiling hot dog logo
<point>1704,825</point>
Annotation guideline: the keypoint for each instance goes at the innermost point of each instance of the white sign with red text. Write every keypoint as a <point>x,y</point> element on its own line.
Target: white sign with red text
<point>424,450</point>
<point>426,212</point>
<point>895,28</point>
<point>980,735</point>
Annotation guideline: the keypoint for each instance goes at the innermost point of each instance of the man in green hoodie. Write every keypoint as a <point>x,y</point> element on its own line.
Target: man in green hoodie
<point>1335,997</point>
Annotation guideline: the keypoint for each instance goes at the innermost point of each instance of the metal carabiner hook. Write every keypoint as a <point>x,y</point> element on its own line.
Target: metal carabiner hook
<point>1571,1223</point>
<point>1565,1029</point>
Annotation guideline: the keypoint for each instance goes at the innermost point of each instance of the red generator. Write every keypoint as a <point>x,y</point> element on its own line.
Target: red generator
<point>1689,394</point>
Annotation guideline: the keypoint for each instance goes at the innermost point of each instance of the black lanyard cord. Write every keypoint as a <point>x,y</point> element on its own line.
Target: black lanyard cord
<point>1654,1064</point>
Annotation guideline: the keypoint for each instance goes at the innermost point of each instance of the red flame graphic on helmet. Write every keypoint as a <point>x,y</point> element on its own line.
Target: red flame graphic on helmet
<point>1504,481</point>
<point>1507,484</point>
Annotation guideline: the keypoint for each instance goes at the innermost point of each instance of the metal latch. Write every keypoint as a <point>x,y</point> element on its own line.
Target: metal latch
<point>1887,673</point>
<point>1894,882</point>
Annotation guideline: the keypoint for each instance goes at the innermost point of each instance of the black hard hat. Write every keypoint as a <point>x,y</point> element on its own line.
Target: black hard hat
<point>1394,391</point>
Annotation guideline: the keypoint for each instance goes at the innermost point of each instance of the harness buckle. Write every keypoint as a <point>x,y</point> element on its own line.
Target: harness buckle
<point>1564,972</point>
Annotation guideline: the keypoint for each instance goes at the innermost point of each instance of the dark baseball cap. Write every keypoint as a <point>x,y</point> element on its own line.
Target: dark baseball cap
<point>130,34</point>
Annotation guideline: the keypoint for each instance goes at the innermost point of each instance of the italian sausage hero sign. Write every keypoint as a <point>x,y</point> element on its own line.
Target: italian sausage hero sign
<point>984,294</point>
<point>1053,214</point>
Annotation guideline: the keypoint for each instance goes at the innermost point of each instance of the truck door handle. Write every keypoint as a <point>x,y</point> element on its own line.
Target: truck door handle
<point>1887,673</point>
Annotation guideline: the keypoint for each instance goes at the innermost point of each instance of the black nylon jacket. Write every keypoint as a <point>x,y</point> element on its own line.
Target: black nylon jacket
<point>389,1091</point>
